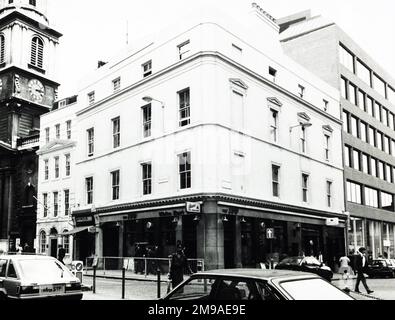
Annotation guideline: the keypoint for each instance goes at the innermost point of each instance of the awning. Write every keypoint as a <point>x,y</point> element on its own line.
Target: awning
<point>74,231</point>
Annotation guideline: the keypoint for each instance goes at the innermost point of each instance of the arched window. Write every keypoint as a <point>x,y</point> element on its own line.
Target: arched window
<point>43,242</point>
<point>2,48</point>
<point>37,52</point>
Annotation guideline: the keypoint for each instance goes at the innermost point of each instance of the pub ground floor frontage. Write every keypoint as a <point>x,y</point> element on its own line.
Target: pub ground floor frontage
<point>225,231</point>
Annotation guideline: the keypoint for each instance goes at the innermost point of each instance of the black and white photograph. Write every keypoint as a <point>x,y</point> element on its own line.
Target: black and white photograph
<point>210,152</point>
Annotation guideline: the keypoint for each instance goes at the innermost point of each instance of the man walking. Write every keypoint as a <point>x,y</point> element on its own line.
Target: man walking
<point>361,264</point>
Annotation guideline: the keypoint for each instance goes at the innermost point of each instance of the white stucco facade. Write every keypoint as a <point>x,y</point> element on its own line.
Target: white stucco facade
<point>211,137</point>
<point>50,224</point>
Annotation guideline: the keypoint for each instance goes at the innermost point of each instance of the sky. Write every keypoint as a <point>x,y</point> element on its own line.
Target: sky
<point>97,30</point>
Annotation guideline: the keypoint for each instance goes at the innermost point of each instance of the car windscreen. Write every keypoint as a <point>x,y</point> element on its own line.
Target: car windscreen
<point>43,270</point>
<point>313,289</point>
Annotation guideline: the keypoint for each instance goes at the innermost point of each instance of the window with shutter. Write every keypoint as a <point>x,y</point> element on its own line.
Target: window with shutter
<point>2,49</point>
<point>37,52</point>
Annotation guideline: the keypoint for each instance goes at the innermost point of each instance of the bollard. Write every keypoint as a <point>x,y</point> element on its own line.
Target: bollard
<point>94,279</point>
<point>123,283</point>
<point>158,274</point>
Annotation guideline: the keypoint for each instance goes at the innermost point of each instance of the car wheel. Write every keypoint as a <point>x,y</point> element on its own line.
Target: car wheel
<point>2,296</point>
<point>393,275</point>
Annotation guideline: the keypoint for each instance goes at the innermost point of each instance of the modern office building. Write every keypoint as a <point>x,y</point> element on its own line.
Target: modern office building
<point>27,90</point>
<point>56,197</point>
<point>210,135</point>
<point>367,97</point>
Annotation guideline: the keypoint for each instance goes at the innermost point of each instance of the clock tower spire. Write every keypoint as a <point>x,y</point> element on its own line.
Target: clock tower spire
<point>28,89</point>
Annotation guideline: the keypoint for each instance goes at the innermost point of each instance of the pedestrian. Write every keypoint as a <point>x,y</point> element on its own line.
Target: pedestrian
<point>19,249</point>
<point>346,281</point>
<point>150,262</point>
<point>179,263</point>
<point>361,265</point>
<point>61,254</point>
<point>320,257</point>
<point>345,265</point>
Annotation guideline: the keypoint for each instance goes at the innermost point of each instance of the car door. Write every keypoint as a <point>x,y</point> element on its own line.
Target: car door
<point>3,269</point>
<point>11,282</point>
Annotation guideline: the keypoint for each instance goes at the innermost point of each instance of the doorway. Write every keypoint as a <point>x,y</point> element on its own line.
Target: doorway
<point>54,247</point>
<point>189,236</point>
<point>229,242</point>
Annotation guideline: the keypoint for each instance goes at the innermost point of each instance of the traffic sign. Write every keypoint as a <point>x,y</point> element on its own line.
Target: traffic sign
<point>269,233</point>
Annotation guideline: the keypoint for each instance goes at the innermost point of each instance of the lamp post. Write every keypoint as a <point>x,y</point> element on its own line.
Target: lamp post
<point>149,99</point>
<point>302,125</point>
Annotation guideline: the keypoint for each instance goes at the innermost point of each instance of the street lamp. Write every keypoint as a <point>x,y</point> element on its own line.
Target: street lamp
<point>303,125</point>
<point>149,99</point>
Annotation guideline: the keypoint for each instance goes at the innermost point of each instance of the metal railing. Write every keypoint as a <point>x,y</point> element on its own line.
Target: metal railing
<point>112,266</point>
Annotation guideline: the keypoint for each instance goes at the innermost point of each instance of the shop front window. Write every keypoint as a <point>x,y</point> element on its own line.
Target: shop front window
<point>355,235</point>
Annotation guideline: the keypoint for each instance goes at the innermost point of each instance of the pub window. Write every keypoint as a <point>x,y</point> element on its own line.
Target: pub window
<point>115,178</point>
<point>116,132</point>
<point>184,49</point>
<point>184,107</point>
<point>147,68</point>
<point>147,178</point>
<point>89,190</point>
<point>185,171</point>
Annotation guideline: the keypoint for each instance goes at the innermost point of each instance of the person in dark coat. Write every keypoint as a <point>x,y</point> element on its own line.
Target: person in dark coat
<point>361,264</point>
<point>61,254</point>
<point>179,263</point>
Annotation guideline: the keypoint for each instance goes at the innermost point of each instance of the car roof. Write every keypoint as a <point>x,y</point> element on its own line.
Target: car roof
<point>25,257</point>
<point>258,273</point>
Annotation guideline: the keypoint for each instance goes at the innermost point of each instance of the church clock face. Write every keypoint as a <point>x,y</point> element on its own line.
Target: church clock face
<point>36,90</point>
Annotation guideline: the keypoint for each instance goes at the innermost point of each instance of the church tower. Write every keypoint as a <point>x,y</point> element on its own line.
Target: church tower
<point>27,90</point>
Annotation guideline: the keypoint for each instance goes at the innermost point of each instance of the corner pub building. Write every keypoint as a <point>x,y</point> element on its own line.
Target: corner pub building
<point>210,135</point>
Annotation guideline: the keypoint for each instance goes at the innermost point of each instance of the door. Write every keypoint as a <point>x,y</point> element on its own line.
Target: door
<point>54,247</point>
<point>229,242</point>
<point>189,236</point>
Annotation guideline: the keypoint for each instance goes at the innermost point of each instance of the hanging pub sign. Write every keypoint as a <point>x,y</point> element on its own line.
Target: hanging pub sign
<point>194,207</point>
<point>269,233</point>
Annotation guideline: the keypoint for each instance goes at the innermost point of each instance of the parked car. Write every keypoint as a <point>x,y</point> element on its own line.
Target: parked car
<point>256,284</point>
<point>306,264</point>
<point>380,268</point>
<point>36,277</point>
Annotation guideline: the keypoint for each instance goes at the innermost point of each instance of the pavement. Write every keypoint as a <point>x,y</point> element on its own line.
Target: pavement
<point>144,287</point>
